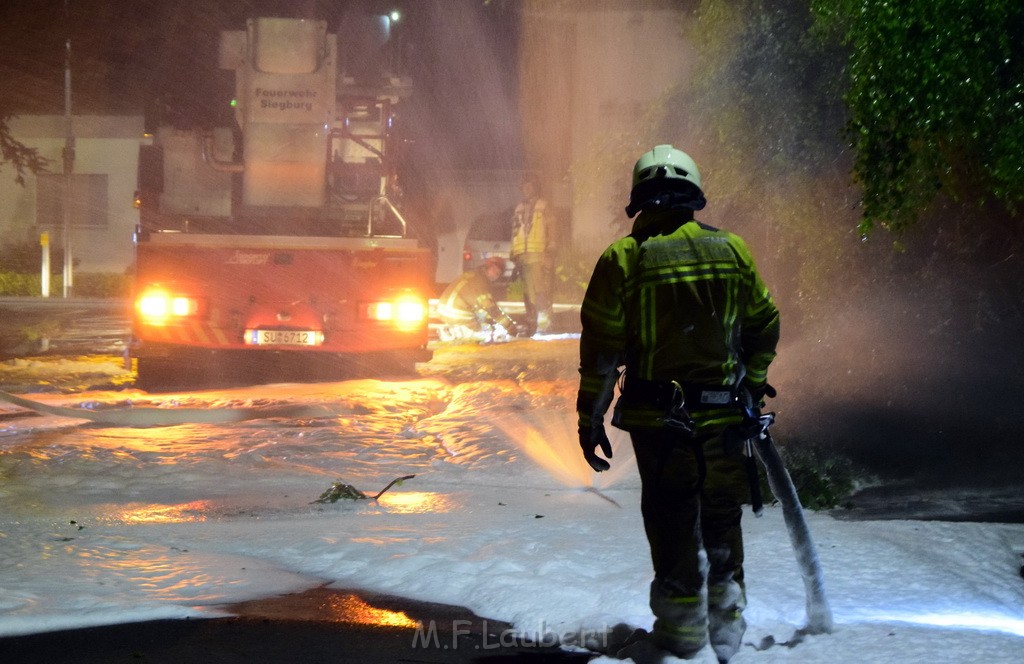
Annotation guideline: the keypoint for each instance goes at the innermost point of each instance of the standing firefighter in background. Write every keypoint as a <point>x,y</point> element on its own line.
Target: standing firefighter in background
<point>533,251</point>
<point>682,307</point>
<point>467,306</point>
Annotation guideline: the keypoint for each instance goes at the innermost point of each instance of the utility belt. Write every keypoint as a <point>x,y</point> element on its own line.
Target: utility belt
<point>658,404</point>
<point>655,403</point>
<point>664,392</point>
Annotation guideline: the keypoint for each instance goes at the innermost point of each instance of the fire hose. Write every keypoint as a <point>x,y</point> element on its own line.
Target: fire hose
<point>819,613</point>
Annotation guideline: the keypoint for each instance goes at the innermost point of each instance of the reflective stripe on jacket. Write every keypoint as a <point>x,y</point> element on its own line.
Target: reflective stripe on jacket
<point>675,300</point>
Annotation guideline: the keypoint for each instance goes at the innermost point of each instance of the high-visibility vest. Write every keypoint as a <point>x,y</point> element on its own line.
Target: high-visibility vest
<point>530,232</point>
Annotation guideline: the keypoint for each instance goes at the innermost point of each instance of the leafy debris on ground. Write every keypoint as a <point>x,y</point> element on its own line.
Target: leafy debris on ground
<point>341,491</point>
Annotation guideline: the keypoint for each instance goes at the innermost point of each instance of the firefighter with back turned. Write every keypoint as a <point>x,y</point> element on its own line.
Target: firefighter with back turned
<point>681,306</point>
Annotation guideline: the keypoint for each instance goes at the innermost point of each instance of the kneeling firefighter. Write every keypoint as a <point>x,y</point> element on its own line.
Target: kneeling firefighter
<point>680,305</point>
<point>468,302</point>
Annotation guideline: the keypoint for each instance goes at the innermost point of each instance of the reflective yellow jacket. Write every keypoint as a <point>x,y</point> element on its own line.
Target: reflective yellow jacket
<point>675,301</point>
<point>531,228</point>
<point>468,301</point>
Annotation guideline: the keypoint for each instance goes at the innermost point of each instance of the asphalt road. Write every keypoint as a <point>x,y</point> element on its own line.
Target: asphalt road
<point>72,326</point>
<point>307,627</point>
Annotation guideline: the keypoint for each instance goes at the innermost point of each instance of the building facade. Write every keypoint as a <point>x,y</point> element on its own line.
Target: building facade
<point>595,78</point>
<point>103,181</point>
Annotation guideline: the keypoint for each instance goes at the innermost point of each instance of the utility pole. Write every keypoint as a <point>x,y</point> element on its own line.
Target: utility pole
<point>69,155</point>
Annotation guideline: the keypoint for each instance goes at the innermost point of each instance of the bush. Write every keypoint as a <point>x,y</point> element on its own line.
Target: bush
<point>572,274</point>
<point>102,284</point>
<point>823,479</point>
<point>88,284</point>
<point>16,283</point>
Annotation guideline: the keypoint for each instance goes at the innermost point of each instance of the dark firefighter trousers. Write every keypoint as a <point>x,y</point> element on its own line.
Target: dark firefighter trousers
<point>692,509</point>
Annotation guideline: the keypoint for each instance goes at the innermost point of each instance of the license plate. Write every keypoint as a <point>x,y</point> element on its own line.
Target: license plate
<point>283,338</point>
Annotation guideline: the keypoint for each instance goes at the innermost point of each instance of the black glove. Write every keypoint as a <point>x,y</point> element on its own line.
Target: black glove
<point>751,399</point>
<point>759,392</point>
<point>590,439</point>
<point>735,436</point>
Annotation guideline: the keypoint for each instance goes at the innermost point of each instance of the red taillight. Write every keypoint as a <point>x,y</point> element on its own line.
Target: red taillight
<point>406,311</point>
<point>158,307</point>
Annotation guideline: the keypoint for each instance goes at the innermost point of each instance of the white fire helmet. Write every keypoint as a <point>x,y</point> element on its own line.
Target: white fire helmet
<point>665,161</point>
<point>667,178</point>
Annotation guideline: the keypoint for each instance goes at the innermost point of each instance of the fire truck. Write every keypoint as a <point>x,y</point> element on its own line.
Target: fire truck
<point>280,236</point>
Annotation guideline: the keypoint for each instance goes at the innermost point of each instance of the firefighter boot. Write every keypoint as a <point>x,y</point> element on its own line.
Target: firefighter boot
<point>726,625</point>
<point>543,322</point>
<point>681,619</point>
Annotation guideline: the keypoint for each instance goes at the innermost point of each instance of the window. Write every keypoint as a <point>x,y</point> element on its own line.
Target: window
<point>88,200</point>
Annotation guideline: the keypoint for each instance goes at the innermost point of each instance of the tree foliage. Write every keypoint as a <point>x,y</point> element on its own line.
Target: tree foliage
<point>935,102</point>
<point>20,156</point>
<point>763,118</point>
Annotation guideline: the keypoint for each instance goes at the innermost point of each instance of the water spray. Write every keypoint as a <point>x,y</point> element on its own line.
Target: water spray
<point>550,439</point>
<point>596,491</point>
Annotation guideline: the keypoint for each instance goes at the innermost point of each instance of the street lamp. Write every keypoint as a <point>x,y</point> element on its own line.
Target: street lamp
<point>69,156</point>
